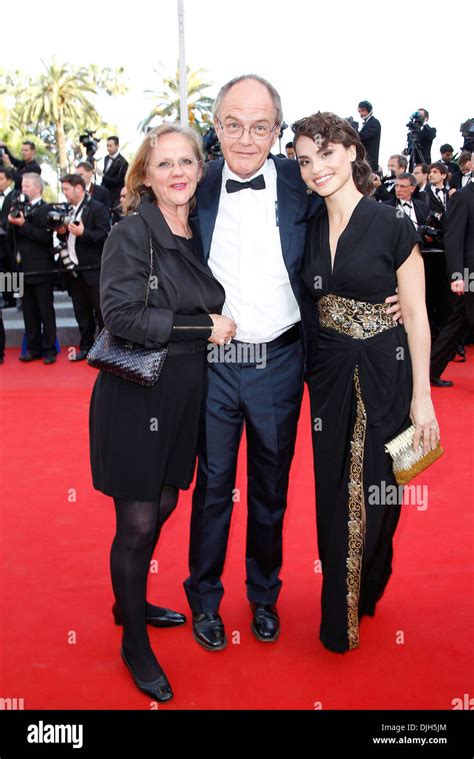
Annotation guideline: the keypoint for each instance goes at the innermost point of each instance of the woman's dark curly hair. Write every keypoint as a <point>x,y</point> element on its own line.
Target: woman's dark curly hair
<point>325,127</point>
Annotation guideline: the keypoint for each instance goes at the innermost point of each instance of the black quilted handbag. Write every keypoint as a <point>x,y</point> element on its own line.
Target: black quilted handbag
<point>126,359</point>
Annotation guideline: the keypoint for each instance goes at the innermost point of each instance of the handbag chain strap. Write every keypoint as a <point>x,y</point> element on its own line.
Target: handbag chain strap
<point>135,213</point>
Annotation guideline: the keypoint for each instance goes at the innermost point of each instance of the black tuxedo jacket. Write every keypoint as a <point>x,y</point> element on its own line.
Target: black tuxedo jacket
<point>22,167</point>
<point>114,178</point>
<point>421,208</point>
<point>456,181</point>
<point>370,137</point>
<point>100,194</point>
<point>34,242</point>
<point>459,234</point>
<point>435,204</point>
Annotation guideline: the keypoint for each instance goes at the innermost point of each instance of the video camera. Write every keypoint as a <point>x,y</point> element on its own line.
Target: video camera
<point>90,142</point>
<point>415,124</point>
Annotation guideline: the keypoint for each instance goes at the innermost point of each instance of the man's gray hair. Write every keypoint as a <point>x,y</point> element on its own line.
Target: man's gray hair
<point>271,90</point>
<point>410,177</point>
<point>33,177</point>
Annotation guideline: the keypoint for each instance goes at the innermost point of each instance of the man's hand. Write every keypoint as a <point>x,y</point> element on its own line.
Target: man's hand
<point>452,191</point>
<point>6,158</point>
<point>76,228</point>
<point>16,221</point>
<point>394,310</point>
<point>457,287</point>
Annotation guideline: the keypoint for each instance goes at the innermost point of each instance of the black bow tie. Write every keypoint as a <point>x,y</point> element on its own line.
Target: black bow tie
<point>257,183</point>
<point>406,204</point>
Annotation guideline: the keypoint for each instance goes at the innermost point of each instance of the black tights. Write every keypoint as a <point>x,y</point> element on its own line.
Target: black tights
<point>139,525</point>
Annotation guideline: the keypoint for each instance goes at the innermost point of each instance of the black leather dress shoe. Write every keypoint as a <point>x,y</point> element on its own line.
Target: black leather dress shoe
<point>265,623</point>
<point>209,632</point>
<point>79,356</point>
<point>27,357</point>
<point>159,690</point>
<point>437,382</point>
<point>160,618</point>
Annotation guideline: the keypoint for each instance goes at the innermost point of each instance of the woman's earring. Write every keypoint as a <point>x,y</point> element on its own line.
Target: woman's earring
<point>309,191</point>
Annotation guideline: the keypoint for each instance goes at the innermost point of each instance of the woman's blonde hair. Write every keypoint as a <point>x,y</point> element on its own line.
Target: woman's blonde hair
<point>135,187</point>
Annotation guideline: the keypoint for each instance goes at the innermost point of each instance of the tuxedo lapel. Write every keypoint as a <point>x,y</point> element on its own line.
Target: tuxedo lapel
<point>291,195</point>
<point>208,196</point>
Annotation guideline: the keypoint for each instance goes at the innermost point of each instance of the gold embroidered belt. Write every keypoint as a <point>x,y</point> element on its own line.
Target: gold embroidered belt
<point>354,318</point>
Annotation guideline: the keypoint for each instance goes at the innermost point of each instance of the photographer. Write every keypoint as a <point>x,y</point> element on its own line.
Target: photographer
<point>6,253</point>
<point>84,236</point>
<point>420,137</point>
<point>416,210</point>
<point>26,165</point>
<point>370,133</point>
<point>32,243</point>
<point>115,169</point>
<point>397,164</point>
<point>95,191</point>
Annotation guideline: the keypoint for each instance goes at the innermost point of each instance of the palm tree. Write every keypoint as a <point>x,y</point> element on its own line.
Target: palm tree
<point>168,103</point>
<point>62,98</point>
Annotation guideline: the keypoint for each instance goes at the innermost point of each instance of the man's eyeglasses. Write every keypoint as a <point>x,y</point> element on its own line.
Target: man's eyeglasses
<point>183,163</point>
<point>234,131</point>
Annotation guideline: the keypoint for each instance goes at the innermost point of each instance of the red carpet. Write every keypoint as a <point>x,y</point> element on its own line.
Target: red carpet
<point>60,649</point>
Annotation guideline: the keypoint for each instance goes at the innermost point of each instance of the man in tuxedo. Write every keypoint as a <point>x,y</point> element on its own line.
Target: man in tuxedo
<point>370,133</point>
<point>290,150</point>
<point>27,164</point>
<point>420,172</point>
<point>85,236</point>
<point>424,142</point>
<point>438,298</point>
<point>459,246</point>
<point>6,253</point>
<point>446,152</point>
<point>464,176</point>
<point>252,210</point>
<point>95,191</point>
<point>397,164</point>
<point>32,243</point>
<point>415,209</point>
<point>115,169</point>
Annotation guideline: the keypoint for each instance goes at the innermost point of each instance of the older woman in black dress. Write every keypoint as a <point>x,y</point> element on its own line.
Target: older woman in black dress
<point>143,439</point>
<point>363,385</point>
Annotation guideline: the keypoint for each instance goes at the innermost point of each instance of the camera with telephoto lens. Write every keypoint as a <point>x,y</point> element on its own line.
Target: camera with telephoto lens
<point>90,142</point>
<point>20,204</point>
<point>59,216</point>
<point>432,231</point>
<point>467,131</point>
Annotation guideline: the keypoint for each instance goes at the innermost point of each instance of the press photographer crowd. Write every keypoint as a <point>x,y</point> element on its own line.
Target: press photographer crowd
<point>58,246</point>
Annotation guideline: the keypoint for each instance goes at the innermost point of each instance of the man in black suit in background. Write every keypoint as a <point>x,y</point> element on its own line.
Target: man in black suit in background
<point>424,142</point>
<point>95,191</point>
<point>370,133</point>
<point>27,164</point>
<point>32,243</point>
<point>438,297</point>
<point>464,176</point>
<point>6,253</point>
<point>115,169</point>
<point>415,209</point>
<point>84,237</point>
<point>459,246</point>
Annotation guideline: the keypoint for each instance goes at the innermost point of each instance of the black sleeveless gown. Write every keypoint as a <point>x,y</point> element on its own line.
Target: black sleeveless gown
<point>360,387</point>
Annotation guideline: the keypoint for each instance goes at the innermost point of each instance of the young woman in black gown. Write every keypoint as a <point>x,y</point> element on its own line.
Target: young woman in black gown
<point>364,387</point>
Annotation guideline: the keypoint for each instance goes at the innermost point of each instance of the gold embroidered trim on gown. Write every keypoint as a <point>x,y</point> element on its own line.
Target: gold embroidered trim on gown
<point>354,318</point>
<point>356,508</point>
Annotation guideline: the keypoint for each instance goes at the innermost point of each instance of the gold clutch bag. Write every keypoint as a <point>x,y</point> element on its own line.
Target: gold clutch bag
<point>407,463</point>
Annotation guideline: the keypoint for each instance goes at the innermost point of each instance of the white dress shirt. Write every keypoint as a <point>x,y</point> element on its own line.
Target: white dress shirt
<point>408,208</point>
<point>246,258</point>
<point>3,195</point>
<point>71,239</point>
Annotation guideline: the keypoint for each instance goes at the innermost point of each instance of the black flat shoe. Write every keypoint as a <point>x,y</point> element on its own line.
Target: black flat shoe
<point>437,382</point>
<point>162,618</point>
<point>209,632</point>
<point>265,623</point>
<point>79,356</point>
<point>159,690</point>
